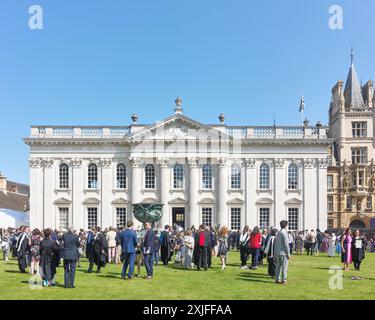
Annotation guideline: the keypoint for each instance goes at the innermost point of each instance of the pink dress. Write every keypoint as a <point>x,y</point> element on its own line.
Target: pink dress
<point>347,256</point>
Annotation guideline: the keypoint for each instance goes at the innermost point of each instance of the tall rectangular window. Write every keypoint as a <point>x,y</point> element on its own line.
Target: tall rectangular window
<point>293,218</point>
<point>207,177</point>
<point>207,216</point>
<point>235,218</point>
<point>264,218</point>
<point>359,129</point>
<point>349,204</point>
<point>359,155</point>
<point>64,176</point>
<point>121,176</point>
<point>264,176</point>
<point>369,202</point>
<point>121,217</point>
<point>361,178</point>
<point>178,176</point>
<point>330,182</point>
<point>330,203</point>
<point>150,176</point>
<point>64,218</point>
<point>92,217</point>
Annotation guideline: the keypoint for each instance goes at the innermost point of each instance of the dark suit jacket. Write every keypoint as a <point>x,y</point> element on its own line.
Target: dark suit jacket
<point>128,241</point>
<point>149,241</point>
<point>71,245</point>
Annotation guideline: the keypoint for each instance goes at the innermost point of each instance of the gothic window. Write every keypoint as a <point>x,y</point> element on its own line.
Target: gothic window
<point>359,155</point>
<point>64,176</point>
<point>92,177</point>
<point>207,176</point>
<point>178,176</point>
<point>293,177</point>
<point>150,176</point>
<point>235,181</point>
<point>121,176</point>
<point>264,176</point>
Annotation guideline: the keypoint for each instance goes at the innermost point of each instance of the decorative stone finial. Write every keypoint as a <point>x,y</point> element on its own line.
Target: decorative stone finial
<point>306,122</point>
<point>319,125</point>
<point>135,118</point>
<point>178,109</point>
<point>222,118</point>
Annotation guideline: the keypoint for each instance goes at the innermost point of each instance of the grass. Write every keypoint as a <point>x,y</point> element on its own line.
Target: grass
<point>308,279</point>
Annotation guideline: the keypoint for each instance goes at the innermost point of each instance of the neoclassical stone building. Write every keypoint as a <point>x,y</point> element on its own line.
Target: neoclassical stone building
<point>351,175</point>
<point>215,174</point>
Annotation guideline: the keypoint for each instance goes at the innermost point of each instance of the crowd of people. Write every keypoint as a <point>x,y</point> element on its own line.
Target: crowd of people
<point>43,251</point>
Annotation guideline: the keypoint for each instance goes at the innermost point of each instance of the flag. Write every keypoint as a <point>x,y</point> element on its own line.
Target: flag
<point>302,104</point>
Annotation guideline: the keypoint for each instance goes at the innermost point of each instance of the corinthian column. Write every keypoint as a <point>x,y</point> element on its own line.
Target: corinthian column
<point>164,190</point>
<point>136,186</point>
<point>192,218</point>
<point>222,215</point>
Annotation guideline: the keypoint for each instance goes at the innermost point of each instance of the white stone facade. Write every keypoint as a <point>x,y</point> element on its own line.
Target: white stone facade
<point>242,192</point>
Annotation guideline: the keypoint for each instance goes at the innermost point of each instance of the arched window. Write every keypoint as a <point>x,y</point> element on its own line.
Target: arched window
<point>178,176</point>
<point>207,177</point>
<point>92,176</point>
<point>293,176</point>
<point>150,176</point>
<point>64,176</point>
<point>264,176</point>
<point>121,176</point>
<point>235,177</point>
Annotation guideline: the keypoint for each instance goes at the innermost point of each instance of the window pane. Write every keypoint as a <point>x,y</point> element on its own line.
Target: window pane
<point>235,218</point>
<point>293,177</point>
<point>121,176</point>
<point>150,176</point>
<point>121,217</point>
<point>64,218</point>
<point>293,219</point>
<point>264,218</point>
<point>92,217</point>
<point>207,177</point>
<point>264,176</point>
<point>207,216</point>
<point>330,182</point>
<point>64,176</point>
<point>235,177</point>
<point>92,176</point>
<point>178,176</point>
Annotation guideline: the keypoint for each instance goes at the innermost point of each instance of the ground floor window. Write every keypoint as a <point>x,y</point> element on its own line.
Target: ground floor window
<point>121,217</point>
<point>369,202</point>
<point>293,215</point>
<point>63,218</point>
<point>330,223</point>
<point>235,218</point>
<point>92,217</point>
<point>264,218</point>
<point>330,203</point>
<point>207,216</point>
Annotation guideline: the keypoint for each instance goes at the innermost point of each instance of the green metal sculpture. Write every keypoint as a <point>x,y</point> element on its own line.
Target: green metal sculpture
<point>148,212</point>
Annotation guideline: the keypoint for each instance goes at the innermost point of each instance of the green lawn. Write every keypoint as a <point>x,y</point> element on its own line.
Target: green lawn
<point>308,279</point>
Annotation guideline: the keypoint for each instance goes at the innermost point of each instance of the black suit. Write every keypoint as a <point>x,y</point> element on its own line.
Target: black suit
<point>165,247</point>
<point>148,249</point>
<point>201,252</point>
<point>70,256</point>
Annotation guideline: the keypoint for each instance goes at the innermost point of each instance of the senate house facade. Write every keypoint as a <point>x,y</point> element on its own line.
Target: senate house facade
<point>213,174</point>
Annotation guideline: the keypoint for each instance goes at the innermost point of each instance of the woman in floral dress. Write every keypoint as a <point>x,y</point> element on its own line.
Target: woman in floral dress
<point>36,238</point>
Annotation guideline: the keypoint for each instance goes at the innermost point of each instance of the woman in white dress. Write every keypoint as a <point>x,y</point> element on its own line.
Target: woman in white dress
<point>332,245</point>
<point>188,251</point>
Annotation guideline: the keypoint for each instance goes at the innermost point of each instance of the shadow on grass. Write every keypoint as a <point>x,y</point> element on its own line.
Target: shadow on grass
<point>57,285</point>
<point>14,271</point>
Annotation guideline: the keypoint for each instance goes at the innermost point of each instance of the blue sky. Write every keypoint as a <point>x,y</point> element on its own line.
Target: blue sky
<point>97,62</point>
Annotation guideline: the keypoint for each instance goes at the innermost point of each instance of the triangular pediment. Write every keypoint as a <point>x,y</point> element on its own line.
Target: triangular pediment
<point>207,201</point>
<point>177,200</point>
<point>264,201</point>
<point>293,201</point>
<point>177,127</point>
<point>89,201</point>
<point>119,201</point>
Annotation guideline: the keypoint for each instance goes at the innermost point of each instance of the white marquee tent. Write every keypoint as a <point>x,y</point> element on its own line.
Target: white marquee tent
<point>14,219</point>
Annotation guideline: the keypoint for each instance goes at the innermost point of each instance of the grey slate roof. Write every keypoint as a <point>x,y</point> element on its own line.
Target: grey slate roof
<point>353,92</point>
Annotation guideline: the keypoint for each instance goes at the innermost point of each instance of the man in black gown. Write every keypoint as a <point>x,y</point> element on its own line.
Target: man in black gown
<point>165,247</point>
<point>22,247</point>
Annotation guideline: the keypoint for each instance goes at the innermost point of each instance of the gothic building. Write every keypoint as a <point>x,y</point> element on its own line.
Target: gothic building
<point>351,174</point>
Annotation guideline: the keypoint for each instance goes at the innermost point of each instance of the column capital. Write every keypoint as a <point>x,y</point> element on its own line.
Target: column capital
<point>193,162</point>
<point>135,162</point>
<point>222,162</point>
<point>76,162</point>
<point>308,163</point>
<point>47,162</point>
<point>250,163</point>
<point>35,162</point>
<point>105,162</point>
<point>164,162</point>
<point>279,163</point>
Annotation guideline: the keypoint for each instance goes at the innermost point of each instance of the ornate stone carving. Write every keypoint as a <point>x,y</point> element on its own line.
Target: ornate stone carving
<point>308,163</point>
<point>193,162</point>
<point>163,162</point>
<point>250,163</point>
<point>105,162</point>
<point>323,163</point>
<point>76,162</point>
<point>135,162</point>
<point>222,162</point>
<point>47,162</point>
<point>34,162</point>
<point>279,163</point>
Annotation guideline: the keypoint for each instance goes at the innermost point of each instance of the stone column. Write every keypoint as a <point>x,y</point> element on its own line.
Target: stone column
<point>322,194</point>
<point>106,194</point>
<point>164,190</point>
<point>222,214</point>
<point>279,185</point>
<point>78,214</point>
<point>36,193</point>
<point>192,217</point>
<point>136,187</point>
<point>251,208</point>
<point>49,182</point>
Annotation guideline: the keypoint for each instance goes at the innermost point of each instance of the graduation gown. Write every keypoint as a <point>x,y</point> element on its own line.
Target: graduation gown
<point>22,248</point>
<point>49,257</point>
<point>100,250</point>
<point>165,246</point>
<point>358,254</point>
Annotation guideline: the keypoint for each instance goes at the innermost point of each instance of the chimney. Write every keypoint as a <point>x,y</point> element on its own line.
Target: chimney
<point>3,183</point>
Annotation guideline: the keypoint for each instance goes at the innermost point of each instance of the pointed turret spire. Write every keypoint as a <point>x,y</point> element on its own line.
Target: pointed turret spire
<point>353,92</point>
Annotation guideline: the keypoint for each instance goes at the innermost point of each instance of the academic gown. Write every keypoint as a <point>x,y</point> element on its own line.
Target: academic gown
<point>165,247</point>
<point>49,257</point>
<point>358,254</point>
<point>22,248</point>
<point>101,250</point>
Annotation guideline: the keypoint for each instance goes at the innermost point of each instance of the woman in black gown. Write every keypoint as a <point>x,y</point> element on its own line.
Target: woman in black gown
<point>49,258</point>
